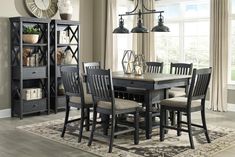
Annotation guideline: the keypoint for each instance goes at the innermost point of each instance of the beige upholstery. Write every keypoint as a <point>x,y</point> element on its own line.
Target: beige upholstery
<point>87,97</point>
<point>176,92</point>
<point>119,103</point>
<point>179,102</point>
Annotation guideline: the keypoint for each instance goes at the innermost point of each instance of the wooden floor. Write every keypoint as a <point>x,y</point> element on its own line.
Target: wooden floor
<point>16,143</point>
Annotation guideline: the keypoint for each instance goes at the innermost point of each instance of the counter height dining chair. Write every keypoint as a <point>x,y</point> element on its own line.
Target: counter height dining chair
<point>195,101</point>
<point>180,69</point>
<point>75,97</point>
<point>154,67</point>
<point>90,65</point>
<point>101,84</point>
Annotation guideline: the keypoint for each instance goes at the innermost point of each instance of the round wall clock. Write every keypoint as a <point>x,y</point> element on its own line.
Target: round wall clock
<point>42,8</point>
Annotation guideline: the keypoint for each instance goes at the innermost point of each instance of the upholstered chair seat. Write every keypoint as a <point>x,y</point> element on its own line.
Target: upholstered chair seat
<point>77,99</point>
<point>177,92</point>
<point>180,102</point>
<point>120,104</point>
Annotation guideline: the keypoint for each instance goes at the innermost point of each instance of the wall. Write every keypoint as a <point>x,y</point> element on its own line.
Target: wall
<point>99,30</point>
<point>11,8</point>
<point>86,38</point>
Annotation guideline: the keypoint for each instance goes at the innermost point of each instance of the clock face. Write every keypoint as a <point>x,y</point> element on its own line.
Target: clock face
<point>42,8</point>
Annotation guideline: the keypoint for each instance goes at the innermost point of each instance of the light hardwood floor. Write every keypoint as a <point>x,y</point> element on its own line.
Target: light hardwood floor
<point>16,143</point>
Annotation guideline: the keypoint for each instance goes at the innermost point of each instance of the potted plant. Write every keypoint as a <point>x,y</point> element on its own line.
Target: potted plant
<point>31,34</point>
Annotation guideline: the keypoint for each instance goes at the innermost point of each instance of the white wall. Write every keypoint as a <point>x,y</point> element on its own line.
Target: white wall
<point>12,8</point>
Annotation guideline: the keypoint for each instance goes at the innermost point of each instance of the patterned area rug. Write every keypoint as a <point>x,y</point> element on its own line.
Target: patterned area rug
<point>222,138</point>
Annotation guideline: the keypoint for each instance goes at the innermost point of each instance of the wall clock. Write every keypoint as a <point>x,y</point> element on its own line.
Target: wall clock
<point>42,8</point>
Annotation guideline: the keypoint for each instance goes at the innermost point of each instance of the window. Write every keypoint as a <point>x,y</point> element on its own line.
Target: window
<point>188,39</point>
<point>124,41</point>
<point>231,68</point>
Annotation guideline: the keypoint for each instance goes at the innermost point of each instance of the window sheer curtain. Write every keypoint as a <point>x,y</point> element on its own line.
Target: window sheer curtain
<point>219,54</point>
<point>148,38</point>
<point>110,39</point>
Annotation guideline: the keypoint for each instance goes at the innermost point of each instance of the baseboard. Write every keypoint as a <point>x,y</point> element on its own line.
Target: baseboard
<point>5,113</point>
<point>231,107</point>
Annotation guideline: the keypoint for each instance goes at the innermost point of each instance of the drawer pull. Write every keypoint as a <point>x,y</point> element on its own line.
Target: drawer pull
<point>34,72</point>
<point>132,82</point>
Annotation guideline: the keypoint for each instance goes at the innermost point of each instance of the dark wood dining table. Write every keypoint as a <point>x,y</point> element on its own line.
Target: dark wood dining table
<point>155,88</point>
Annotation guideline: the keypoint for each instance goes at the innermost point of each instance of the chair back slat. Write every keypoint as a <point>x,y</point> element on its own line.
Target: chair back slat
<point>181,68</point>
<point>90,65</point>
<point>154,67</point>
<point>71,80</point>
<point>100,82</point>
<point>199,84</point>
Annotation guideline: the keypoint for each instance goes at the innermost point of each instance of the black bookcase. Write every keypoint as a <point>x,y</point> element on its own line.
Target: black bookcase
<point>36,75</point>
<point>62,53</point>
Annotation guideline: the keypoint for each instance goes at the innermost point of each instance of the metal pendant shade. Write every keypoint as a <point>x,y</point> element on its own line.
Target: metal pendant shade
<point>140,27</point>
<point>121,29</point>
<point>160,27</point>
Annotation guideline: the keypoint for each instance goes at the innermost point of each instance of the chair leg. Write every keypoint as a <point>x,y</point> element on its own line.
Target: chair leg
<point>112,133</point>
<point>136,133</point>
<point>81,124</point>
<point>190,130</point>
<point>93,126</point>
<point>87,119</point>
<point>162,122</point>
<point>179,125</point>
<point>66,119</point>
<point>172,117</point>
<point>204,125</point>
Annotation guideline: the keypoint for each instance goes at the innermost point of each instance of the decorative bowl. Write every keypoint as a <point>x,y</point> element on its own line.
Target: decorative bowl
<point>30,38</point>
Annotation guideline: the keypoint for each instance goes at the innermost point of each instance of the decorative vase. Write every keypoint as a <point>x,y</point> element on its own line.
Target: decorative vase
<point>139,65</point>
<point>65,9</point>
<point>128,61</point>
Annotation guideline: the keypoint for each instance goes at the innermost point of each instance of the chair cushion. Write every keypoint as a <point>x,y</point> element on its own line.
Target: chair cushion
<point>176,92</point>
<point>179,102</point>
<point>120,104</point>
<point>77,99</point>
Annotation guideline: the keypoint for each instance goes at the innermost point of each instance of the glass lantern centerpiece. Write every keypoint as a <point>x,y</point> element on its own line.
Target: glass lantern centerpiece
<point>139,65</point>
<point>128,61</point>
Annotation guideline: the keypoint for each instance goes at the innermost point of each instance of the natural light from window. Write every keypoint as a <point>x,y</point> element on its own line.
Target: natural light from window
<point>188,39</point>
<point>124,41</point>
<point>232,44</point>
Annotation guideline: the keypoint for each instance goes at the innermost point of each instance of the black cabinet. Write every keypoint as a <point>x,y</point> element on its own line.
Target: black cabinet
<point>30,66</point>
<point>64,52</point>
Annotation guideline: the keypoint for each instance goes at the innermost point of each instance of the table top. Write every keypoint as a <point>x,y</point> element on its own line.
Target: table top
<point>150,77</point>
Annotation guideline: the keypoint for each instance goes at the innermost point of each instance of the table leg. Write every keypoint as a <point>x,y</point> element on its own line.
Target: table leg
<point>105,123</point>
<point>148,116</point>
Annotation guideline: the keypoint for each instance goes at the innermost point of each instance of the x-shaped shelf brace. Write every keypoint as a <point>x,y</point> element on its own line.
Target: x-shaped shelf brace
<point>15,58</point>
<point>73,33</point>
<point>43,33</point>
<point>43,83</point>
<point>52,87</point>
<point>74,52</point>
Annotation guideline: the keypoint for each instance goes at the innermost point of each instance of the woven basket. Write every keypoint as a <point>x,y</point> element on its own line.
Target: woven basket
<point>30,38</point>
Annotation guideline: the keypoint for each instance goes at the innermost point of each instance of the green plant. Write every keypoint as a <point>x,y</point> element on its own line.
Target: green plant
<point>31,30</point>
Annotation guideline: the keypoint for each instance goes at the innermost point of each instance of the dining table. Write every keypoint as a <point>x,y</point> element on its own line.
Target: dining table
<point>154,87</point>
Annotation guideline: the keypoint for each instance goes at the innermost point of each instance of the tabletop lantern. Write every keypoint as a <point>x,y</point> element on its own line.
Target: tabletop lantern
<point>128,61</point>
<point>139,65</point>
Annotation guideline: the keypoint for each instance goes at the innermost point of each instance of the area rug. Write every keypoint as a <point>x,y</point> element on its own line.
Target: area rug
<point>221,139</point>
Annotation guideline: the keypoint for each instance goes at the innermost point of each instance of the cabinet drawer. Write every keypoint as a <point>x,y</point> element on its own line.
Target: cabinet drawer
<point>34,73</point>
<point>31,106</point>
<point>34,106</point>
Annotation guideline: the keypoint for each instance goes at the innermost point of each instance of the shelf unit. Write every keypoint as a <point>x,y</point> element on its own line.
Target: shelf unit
<point>23,76</point>
<point>71,58</point>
